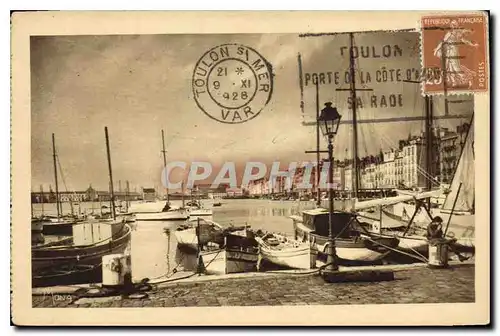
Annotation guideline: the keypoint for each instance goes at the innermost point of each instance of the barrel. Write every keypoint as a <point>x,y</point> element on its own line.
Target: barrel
<point>438,253</point>
<point>115,268</point>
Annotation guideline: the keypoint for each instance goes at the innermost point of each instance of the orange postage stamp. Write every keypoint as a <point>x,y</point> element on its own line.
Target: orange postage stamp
<point>454,53</point>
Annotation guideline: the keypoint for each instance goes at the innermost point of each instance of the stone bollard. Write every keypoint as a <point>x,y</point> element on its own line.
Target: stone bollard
<point>438,253</point>
<point>116,270</point>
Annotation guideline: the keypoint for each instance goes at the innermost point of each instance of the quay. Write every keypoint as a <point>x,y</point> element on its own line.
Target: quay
<point>414,283</point>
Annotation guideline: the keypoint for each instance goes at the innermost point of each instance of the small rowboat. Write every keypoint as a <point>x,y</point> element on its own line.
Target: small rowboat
<point>287,252</point>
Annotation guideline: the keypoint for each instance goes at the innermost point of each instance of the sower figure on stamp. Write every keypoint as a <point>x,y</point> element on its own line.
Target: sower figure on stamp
<point>449,49</point>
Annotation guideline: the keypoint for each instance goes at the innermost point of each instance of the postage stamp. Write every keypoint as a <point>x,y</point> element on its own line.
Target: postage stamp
<point>454,49</point>
<point>232,83</point>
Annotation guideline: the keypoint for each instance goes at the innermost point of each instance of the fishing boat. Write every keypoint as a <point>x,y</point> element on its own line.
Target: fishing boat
<point>239,253</point>
<point>353,245</point>
<point>79,259</point>
<point>187,234</point>
<point>216,200</point>
<point>220,250</point>
<point>170,214</point>
<point>456,213</point>
<point>146,206</point>
<point>59,225</point>
<point>37,222</point>
<point>411,242</point>
<point>159,210</point>
<point>196,209</point>
<point>287,252</point>
<point>80,262</point>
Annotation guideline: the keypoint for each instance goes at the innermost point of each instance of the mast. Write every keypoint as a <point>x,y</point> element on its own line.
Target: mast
<point>127,196</point>
<point>355,175</point>
<point>100,203</point>
<point>42,198</point>
<point>182,184</point>
<point>429,144</point>
<point>164,161</point>
<point>429,139</point>
<point>110,174</point>
<point>318,193</point>
<point>55,175</point>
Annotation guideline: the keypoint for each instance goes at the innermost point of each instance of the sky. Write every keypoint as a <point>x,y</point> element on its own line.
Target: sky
<point>138,85</point>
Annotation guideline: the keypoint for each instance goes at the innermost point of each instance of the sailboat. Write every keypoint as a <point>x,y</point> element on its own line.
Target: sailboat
<point>37,222</point>
<point>62,225</point>
<point>78,258</point>
<point>354,245</point>
<point>457,211</point>
<point>408,219</point>
<point>159,211</point>
<point>196,208</point>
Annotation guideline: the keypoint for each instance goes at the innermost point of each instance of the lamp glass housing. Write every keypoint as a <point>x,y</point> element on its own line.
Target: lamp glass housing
<point>329,120</point>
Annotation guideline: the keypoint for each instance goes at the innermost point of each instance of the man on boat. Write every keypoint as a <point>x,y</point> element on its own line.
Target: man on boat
<point>434,229</point>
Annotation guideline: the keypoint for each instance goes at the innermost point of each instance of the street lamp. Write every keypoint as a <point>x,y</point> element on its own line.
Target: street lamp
<point>329,121</point>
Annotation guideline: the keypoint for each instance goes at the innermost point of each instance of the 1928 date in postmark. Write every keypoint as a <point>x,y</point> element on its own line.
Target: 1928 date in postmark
<point>454,47</point>
<point>232,83</point>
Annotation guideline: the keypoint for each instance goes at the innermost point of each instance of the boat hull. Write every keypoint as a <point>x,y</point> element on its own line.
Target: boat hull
<point>297,258</point>
<point>200,212</point>
<point>162,216</point>
<point>60,264</point>
<point>145,206</point>
<point>355,249</point>
<point>226,261</point>
<point>403,212</point>
<point>78,275</point>
<point>187,238</point>
<point>461,228</point>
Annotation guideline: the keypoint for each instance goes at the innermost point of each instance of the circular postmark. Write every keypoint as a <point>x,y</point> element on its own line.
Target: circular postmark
<point>232,83</point>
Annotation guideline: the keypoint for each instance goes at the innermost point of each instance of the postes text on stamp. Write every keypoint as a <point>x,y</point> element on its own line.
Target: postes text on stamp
<point>454,49</point>
<point>232,83</point>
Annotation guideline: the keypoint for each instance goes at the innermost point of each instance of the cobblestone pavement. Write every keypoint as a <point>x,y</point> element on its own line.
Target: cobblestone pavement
<point>420,285</point>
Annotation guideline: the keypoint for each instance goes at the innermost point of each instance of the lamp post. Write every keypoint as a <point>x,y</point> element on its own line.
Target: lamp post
<point>329,122</point>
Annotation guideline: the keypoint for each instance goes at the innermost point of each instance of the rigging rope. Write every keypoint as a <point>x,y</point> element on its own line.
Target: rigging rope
<point>64,182</point>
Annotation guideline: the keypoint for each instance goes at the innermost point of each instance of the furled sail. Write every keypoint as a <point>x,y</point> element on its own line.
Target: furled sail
<point>463,179</point>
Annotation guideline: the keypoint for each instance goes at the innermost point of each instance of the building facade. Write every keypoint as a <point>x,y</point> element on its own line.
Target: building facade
<point>450,149</point>
<point>89,195</point>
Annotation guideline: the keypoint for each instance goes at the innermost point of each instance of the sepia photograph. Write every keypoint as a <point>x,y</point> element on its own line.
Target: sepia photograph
<point>329,165</point>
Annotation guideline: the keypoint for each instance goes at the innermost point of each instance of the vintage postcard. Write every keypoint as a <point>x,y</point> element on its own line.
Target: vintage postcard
<point>250,168</point>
